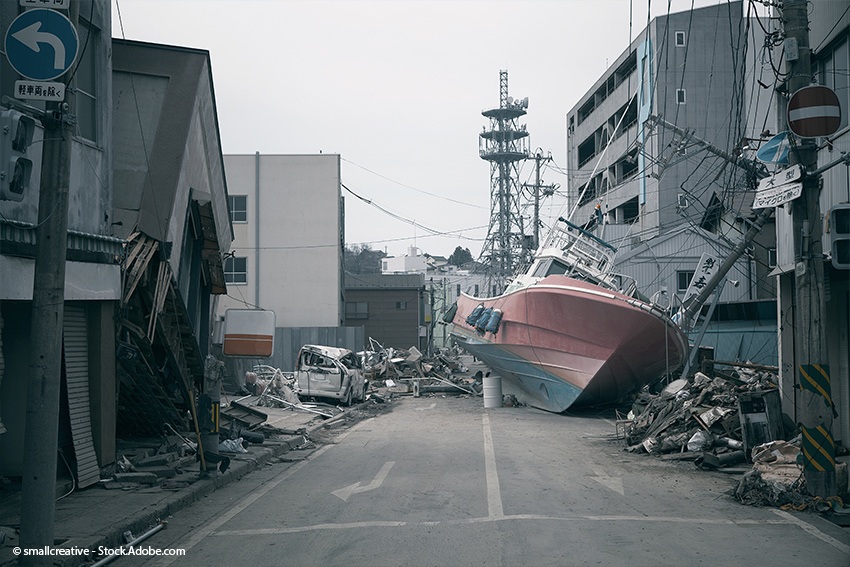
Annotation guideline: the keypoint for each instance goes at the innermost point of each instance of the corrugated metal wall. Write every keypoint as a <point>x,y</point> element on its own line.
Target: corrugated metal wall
<point>741,342</point>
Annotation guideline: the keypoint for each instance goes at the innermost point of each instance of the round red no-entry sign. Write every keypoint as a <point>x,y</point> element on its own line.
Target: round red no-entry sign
<point>814,111</point>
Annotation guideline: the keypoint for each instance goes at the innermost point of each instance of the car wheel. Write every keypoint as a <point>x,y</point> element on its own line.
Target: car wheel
<point>365,389</point>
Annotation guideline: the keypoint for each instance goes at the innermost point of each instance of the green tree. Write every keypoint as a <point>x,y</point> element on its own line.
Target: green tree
<point>460,256</point>
<point>361,259</point>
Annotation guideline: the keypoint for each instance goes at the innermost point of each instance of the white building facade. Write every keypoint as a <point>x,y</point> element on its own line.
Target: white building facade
<point>287,217</point>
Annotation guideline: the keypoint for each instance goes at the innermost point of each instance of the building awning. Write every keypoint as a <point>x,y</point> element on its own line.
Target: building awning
<point>783,269</point>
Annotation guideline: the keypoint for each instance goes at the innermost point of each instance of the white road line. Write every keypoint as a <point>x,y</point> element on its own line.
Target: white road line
<point>494,495</point>
<point>207,530</point>
<point>813,530</point>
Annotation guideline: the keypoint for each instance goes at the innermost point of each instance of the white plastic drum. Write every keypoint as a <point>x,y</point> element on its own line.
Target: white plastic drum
<point>492,391</point>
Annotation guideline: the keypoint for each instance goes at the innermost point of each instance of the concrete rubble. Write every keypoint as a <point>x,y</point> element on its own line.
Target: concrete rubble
<point>411,372</point>
<point>731,423</point>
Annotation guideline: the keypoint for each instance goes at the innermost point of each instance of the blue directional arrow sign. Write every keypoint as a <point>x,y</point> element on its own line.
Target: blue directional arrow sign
<point>41,44</point>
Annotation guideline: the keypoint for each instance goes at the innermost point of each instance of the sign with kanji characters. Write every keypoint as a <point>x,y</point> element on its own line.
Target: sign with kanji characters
<point>706,268</point>
<point>789,175</point>
<point>39,90</point>
<point>814,111</point>
<point>778,195</point>
<point>41,44</point>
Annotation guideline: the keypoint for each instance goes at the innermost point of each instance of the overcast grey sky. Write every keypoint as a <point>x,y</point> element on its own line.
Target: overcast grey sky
<point>397,89</point>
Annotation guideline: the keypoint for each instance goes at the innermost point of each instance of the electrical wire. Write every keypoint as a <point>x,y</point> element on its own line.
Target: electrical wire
<point>413,188</point>
<point>398,217</point>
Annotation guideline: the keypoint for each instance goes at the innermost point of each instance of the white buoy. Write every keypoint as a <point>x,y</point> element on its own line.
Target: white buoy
<point>492,391</point>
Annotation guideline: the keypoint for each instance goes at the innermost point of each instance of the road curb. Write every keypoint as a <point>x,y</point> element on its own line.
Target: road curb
<point>148,518</point>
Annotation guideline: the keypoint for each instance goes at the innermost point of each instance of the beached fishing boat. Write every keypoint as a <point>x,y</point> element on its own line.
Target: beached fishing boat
<point>570,332</point>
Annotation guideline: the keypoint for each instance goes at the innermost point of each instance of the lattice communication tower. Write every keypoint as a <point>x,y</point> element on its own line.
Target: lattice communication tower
<point>507,248</point>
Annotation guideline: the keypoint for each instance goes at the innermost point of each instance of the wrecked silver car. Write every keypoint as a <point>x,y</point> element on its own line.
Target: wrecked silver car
<point>330,372</point>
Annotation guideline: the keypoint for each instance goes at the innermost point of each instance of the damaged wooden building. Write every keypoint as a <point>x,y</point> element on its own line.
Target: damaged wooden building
<point>148,226</point>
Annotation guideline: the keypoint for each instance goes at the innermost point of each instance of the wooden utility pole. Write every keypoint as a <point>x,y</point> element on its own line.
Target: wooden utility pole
<point>814,406</point>
<point>38,489</point>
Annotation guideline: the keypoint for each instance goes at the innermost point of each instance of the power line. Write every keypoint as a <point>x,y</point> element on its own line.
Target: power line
<point>413,188</point>
<point>396,216</point>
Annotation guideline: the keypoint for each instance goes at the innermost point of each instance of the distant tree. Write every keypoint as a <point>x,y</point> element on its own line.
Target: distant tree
<point>361,259</point>
<point>460,256</point>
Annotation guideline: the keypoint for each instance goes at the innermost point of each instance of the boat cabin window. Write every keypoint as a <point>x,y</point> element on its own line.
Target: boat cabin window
<point>550,267</point>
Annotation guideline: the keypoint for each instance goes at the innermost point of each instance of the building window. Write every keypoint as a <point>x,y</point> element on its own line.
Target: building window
<point>238,208</point>
<point>236,270</point>
<point>86,82</point>
<point>771,257</point>
<point>401,305</point>
<point>357,310</point>
<point>831,64</point>
<point>680,39</point>
<point>680,96</point>
<point>476,290</point>
<point>458,291</point>
<point>683,280</point>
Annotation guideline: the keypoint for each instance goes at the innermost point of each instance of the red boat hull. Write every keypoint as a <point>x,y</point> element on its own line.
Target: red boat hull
<point>565,342</point>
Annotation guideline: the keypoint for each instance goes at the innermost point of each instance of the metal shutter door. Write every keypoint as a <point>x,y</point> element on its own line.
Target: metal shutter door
<point>76,348</point>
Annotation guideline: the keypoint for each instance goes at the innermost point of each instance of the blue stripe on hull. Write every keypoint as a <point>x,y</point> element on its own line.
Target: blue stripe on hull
<point>530,383</point>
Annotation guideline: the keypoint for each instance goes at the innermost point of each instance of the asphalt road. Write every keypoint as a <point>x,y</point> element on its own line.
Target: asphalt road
<point>440,481</point>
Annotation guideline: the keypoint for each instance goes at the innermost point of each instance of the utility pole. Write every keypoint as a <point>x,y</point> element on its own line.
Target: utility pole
<point>38,490</point>
<point>815,407</point>
<point>547,190</point>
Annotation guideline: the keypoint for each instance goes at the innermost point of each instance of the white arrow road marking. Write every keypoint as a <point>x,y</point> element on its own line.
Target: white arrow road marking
<point>355,488</point>
<point>432,406</point>
<point>31,36</point>
<point>615,483</point>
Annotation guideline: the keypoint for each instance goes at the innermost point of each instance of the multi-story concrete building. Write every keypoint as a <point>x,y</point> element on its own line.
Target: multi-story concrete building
<point>643,147</point>
<point>287,254</point>
<point>287,215</point>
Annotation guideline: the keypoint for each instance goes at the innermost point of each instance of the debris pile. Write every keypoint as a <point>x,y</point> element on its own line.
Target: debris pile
<point>701,418</point>
<point>154,461</point>
<point>724,423</point>
<point>276,389</point>
<point>410,371</point>
<point>776,478</point>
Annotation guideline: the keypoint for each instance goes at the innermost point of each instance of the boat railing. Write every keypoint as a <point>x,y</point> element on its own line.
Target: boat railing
<point>582,247</point>
<point>626,285</point>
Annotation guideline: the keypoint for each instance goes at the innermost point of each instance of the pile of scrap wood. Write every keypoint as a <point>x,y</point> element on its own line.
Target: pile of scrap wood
<point>153,460</point>
<point>410,370</point>
<point>697,418</point>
